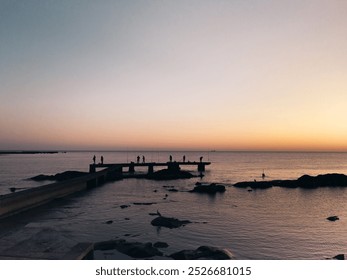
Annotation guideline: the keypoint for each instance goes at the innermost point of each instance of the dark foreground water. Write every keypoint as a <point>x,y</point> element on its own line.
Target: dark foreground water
<point>275,223</point>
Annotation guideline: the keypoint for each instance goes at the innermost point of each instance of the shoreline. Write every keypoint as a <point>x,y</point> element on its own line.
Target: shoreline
<point>28,152</point>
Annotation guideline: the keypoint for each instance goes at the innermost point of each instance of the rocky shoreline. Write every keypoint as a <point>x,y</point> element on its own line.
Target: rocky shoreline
<point>305,181</point>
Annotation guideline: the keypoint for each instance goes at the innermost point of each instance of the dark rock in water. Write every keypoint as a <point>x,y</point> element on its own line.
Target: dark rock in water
<point>109,222</point>
<point>160,245</point>
<point>172,190</point>
<point>144,203</point>
<point>211,188</point>
<point>305,181</point>
<point>132,249</point>
<point>124,206</point>
<point>168,222</point>
<point>153,214</point>
<point>339,257</point>
<point>59,176</point>
<point>13,189</point>
<point>170,174</point>
<point>203,253</point>
<point>127,219</point>
<point>254,185</point>
<point>333,218</point>
<point>169,187</point>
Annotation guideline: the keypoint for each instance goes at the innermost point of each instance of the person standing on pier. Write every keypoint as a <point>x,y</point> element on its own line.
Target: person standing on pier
<point>102,160</point>
<point>143,159</point>
<point>138,159</point>
<point>170,158</point>
<point>201,159</point>
<point>184,158</point>
<point>94,158</point>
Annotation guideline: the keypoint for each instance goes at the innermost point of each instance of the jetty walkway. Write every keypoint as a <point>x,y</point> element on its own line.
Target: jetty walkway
<point>171,165</point>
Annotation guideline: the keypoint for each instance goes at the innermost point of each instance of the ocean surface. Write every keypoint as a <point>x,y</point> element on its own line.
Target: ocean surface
<point>275,223</point>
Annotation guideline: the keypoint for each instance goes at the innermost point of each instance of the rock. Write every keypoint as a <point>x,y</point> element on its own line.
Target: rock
<point>203,253</point>
<point>211,188</point>
<point>170,174</point>
<point>305,181</point>
<point>124,206</point>
<point>59,176</point>
<point>168,222</point>
<point>109,222</point>
<point>132,249</point>
<point>153,214</point>
<point>160,245</point>
<point>339,257</point>
<point>127,219</point>
<point>172,190</point>
<point>333,218</point>
<point>144,203</point>
<point>254,185</point>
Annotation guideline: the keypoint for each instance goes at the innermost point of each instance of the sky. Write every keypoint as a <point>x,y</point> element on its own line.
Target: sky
<point>173,75</point>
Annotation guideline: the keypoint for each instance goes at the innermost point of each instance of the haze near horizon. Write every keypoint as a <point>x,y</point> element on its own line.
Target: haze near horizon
<point>224,75</point>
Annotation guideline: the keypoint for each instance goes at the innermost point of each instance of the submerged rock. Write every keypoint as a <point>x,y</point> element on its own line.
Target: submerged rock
<point>203,253</point>
<point>333,218</point>
<point>132,249</point>
<point>124,206</point>
<point>254,184</point>
<point>144,203</point>
<point>160,245</point>
<point>211,188</point>
<point>168,222</point>
<point>339,257</point>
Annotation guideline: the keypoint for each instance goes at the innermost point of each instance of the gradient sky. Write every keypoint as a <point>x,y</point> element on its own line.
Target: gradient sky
<point>225,75</point>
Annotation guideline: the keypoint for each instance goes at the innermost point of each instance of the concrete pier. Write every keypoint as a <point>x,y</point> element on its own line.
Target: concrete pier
<point>174,165</point>
<point>13,203</point>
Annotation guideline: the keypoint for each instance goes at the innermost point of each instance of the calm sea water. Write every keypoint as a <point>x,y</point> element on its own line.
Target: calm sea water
<point>275,223</point>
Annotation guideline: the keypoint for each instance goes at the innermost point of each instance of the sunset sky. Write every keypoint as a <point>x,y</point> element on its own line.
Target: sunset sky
<point>202,75</point>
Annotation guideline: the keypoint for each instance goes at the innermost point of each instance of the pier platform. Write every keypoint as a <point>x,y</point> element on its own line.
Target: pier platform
<point>201,165</point>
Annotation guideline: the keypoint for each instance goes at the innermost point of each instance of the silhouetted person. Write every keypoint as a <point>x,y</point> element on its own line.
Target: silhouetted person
<point>94,159</point>
<point>143,159</point>
<point>263,175</point>
<point>201,159</point>
<point>138,159</point>
<point>184,158</point>
<point>170,158</point>
<point>102,160</point>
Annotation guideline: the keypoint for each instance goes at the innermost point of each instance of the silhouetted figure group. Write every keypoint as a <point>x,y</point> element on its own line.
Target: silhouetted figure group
<point>101,159</point>
<point>138,159</point>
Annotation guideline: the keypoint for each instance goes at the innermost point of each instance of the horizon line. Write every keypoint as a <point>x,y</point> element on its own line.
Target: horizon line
<point>172,150</point>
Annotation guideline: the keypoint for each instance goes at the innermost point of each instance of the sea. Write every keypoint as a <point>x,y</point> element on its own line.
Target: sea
<point>275,223</point>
